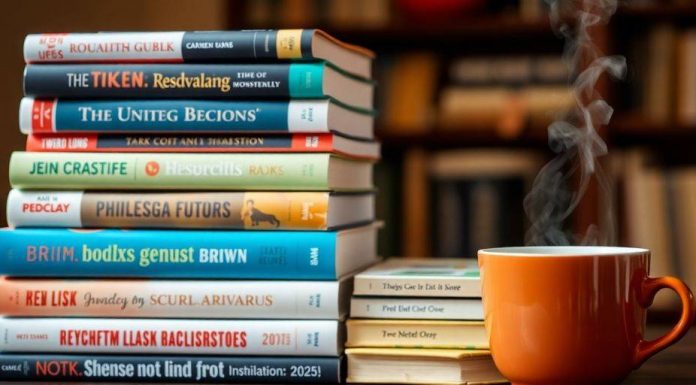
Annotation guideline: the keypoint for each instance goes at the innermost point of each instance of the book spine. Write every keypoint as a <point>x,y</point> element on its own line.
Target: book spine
<point>169,299</point>
<point>204,46</point>
<point>186,116</point>
<point>233,210</point>
<point>301,80</point>
<point>416,308</point>
<point>169,369</point>
<point>170,336</point>
<point>191,254</point>
<point>179,143</point>
<point>417,334</point>
<point>456,287</point>
<point>61,171</point>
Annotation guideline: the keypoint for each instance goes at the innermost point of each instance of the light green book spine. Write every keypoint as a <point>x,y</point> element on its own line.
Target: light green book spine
<point>66,171</point>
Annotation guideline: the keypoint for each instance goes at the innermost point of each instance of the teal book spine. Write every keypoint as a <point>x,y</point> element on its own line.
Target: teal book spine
<point>307,255</point>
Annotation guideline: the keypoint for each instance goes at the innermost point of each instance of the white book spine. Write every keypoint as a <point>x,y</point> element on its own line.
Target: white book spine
<point>169,336</point>
<point>171,299</point>
<point>417,287</point>
<point>416,308</point>
<point>105,46</point>
<point>44,209</point>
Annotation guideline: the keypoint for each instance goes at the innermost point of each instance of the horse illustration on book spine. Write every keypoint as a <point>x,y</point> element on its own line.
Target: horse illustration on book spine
<point>257,216</point>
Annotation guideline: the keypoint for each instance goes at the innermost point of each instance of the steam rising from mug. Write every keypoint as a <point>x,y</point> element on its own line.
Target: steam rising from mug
<point>575,139</point>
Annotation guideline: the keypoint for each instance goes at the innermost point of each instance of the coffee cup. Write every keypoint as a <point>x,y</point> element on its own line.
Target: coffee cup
<point>567,315</point>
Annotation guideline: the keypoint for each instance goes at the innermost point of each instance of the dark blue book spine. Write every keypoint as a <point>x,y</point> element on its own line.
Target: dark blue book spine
<point>169,369</point>
<point>280,80</point>
<point>168,254</point>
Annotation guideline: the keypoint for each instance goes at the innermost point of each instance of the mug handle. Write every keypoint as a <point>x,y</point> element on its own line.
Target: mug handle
<point>649,288</point>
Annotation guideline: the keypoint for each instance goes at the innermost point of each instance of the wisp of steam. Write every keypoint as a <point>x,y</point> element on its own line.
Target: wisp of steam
<point>575,139</point>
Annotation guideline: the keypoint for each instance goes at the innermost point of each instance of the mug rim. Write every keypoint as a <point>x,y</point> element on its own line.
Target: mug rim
<point>562,251</point>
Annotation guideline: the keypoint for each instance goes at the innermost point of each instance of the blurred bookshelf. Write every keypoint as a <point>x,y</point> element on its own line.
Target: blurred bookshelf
<point>461,79</point>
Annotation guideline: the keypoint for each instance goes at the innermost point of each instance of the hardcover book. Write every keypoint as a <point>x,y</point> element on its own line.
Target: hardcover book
<point>416,308</point>
<point>204,210</point>
<point>174,299</point>
<point>170,369</point>
<point>421,277</point>
<point>191,116</point>
<point>306,255</point>
<point>373,333</point>
<point>136,171</point>
<point>197,46</point>
<point>171,336</point>
<point>184,81</point>
<point>422,366</point>
<point>104,142</point>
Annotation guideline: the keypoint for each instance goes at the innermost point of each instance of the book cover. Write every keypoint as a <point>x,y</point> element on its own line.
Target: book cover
<point>416,308</point>
<point>310,255</point>
<point>79,171</point>
<point>204,210</point>
<point>196,81</point>
<point>167,116</point>
<point>171,336</point>
<point>206,143</point>
<point>421,277</point>
<point>373,333</point>
<point>173,299</point>
<point>169,369</point>
<point>196,46</point>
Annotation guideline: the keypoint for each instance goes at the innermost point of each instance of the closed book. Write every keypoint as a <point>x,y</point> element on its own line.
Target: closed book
<point>416,308</point>
<point>374,333</point>
<point>206,143</point>
<point>420,277</point>
<point>306,255</point>
<point>125,298</point>
<point>197,46</point>
<point>136,171</point>
<point>204,210</point>
<point>191,116</point>
<point>421,366</point>
<point>183,81</point>
<point>170,369</point>
<point>171,336</point>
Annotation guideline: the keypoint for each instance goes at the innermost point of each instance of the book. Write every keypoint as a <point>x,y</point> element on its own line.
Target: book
<point>421,366</point>
<point>171,336</point>
<point>194,81</point>
<point>420,277</point>
<point>169,369</point>
<point>204,210</point>
<point>416,308</point>
<point>191,116</point>
<point>307,255</point>
<point>686,86</point>
<point>197,46</point>
<point>129,171</point>
<point>174,299</point>
<point>101,142</point>
<point>374,333</point>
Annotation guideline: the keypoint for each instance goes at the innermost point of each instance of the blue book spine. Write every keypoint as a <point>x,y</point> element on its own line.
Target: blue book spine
<point>309,255</point>
<point>180,115</point>
<point>171,81</point>
<point>170,369</point>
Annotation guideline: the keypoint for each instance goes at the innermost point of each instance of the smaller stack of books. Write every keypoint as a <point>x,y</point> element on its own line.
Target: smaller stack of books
<point>419,321</point>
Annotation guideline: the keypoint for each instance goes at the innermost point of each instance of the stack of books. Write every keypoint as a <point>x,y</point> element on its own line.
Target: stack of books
<point>236,193</point>
<point>419,321</point>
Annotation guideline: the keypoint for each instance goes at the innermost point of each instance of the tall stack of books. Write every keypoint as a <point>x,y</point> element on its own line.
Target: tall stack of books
<point>419,321</point>
<point>235,186</point>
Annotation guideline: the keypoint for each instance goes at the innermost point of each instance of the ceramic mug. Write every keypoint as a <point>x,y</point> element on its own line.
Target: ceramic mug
<point>566,315</point>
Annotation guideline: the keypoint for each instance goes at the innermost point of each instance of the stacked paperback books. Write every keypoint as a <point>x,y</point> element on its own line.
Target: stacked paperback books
<point>419,321</point>
<point>236,195</point>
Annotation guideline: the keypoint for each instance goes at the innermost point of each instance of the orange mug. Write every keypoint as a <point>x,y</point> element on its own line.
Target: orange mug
<point>566,315</point>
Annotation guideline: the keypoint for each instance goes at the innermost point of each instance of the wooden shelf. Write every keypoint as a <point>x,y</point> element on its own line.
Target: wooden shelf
<point>634,129</point>
<point>461,138</point>
<point>653,12</point>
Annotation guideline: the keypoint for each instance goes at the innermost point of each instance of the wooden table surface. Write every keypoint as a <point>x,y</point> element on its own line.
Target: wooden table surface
<point>675,365</point>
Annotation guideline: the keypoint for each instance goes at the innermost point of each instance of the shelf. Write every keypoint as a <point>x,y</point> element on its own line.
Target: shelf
<point>461,138</point>
<point>632,129</point>
<point>652,12</point>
